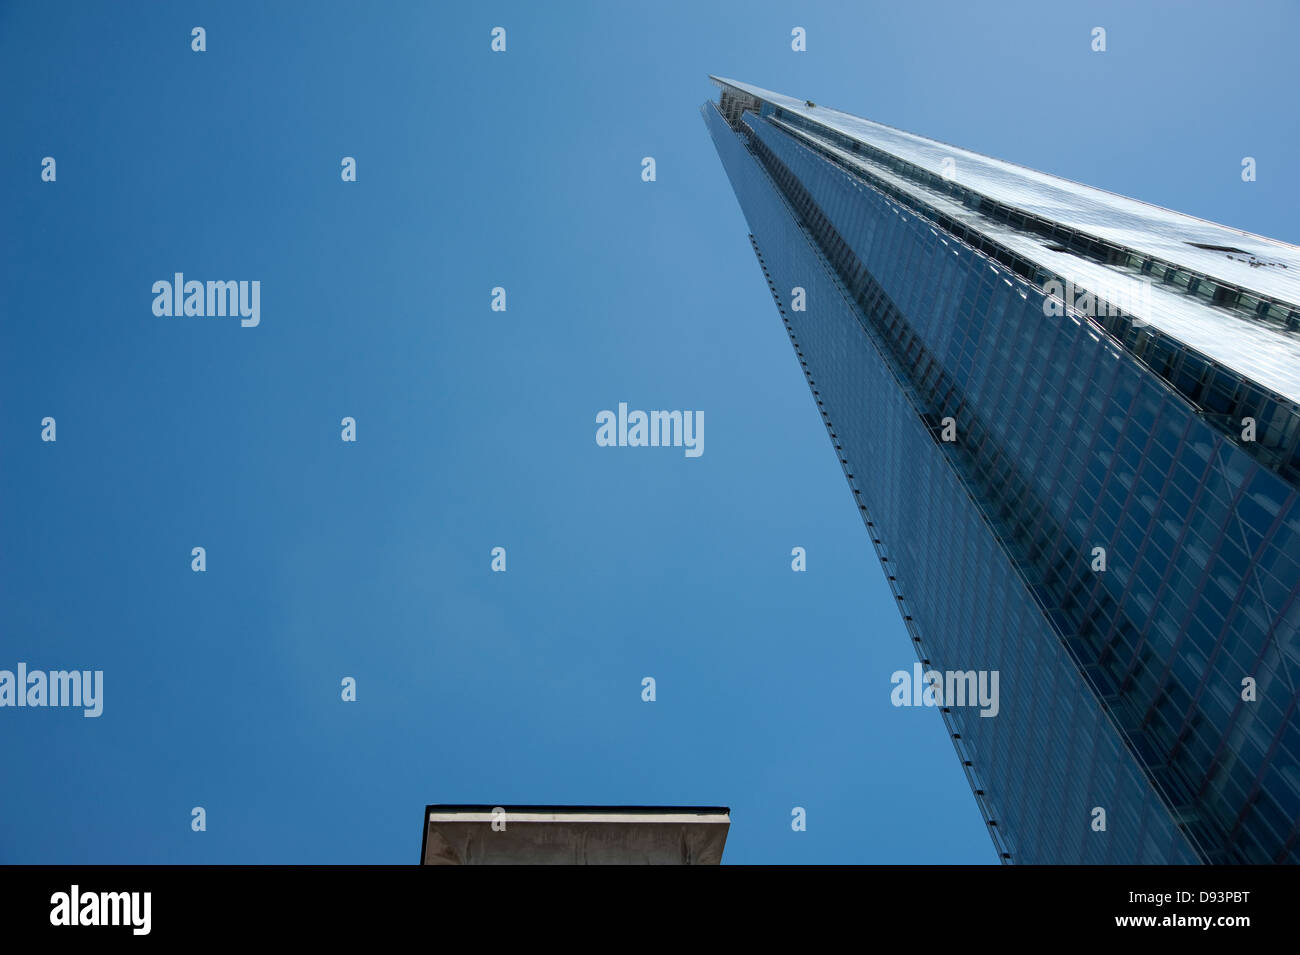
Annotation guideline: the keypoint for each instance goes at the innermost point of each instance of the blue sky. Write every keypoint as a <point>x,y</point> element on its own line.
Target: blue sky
<point>476,428</point>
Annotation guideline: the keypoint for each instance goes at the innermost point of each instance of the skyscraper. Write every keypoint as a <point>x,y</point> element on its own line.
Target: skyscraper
<point>1071,424</point>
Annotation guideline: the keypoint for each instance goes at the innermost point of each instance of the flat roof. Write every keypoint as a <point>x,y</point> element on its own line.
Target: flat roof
<point>483,834</point>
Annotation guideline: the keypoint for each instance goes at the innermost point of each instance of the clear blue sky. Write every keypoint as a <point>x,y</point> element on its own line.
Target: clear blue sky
<point>476,428</point>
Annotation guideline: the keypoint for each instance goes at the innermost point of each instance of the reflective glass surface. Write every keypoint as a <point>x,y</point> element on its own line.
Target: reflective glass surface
<point>1120,689</point>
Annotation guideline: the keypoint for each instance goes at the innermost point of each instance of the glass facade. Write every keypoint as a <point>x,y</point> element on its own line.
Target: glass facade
<point>996,446</point>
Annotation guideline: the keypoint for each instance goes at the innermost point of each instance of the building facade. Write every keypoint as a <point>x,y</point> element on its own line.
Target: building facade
<point>1070,422</point>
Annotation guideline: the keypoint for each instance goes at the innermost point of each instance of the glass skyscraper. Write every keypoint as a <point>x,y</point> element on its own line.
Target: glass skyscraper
<point>1071,424</point>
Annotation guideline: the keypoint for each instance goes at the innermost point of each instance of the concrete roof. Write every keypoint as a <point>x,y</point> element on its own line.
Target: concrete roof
<point>574,835</point>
